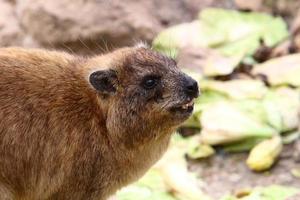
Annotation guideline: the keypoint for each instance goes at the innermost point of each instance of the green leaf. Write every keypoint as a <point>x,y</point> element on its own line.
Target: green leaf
<point>231,32</point>
<point>225,122</point>
<point>277,192</point>
<point>242,146</point>
<point>236,89</point>
<point>284,70</point>
<point>150,187</point>
<point>243,30</point>
<point>282,106</point>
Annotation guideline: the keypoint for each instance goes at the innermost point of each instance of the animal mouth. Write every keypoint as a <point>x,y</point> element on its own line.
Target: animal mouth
<point>185,107</point>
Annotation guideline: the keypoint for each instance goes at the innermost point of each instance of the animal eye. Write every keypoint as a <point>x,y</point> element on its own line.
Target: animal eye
<point>150,82</point>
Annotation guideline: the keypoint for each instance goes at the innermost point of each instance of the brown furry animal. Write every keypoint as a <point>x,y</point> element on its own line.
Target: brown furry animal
<point>75,128</point>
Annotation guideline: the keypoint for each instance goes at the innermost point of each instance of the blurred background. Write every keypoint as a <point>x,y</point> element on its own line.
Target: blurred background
<point>242,142</point>
<point>66,24</point>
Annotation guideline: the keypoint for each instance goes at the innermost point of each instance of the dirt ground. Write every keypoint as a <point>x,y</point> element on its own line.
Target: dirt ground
<point>225,173</point>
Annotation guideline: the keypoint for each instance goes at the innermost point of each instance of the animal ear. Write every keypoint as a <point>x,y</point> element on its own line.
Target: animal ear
<point>104,81</point>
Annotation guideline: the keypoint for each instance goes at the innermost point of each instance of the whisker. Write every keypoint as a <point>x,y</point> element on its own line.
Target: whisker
<point>105,45</point>
<point>99,46</point>
<point>84,45</point>
<point>67,47</point>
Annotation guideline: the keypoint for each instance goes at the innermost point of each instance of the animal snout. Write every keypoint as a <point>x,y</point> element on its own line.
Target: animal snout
<point>191,87</point>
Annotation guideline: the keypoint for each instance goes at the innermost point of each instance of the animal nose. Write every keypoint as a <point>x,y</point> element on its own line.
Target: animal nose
<point>191,87</point>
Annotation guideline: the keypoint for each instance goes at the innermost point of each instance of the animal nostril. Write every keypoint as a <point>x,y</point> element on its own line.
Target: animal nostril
<point>192,88</point>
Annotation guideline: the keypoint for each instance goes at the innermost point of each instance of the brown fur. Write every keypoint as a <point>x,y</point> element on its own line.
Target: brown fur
<point>62,139</point>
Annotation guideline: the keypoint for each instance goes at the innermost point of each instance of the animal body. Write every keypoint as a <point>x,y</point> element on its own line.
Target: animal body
<point>80,128</point>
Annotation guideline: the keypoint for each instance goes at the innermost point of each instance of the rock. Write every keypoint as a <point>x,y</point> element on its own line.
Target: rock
<point>90,25</point>
<point>208,62</point>
<point>10,32</point>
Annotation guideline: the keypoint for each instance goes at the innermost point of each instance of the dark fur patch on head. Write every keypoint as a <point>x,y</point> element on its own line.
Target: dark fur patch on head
<point>149,58</point>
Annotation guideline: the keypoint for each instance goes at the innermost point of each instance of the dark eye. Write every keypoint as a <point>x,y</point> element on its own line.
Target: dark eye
<point>150,82</point>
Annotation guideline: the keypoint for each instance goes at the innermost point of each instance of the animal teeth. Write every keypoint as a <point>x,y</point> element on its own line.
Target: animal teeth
<point>187,105</point>
<point>190,103</point>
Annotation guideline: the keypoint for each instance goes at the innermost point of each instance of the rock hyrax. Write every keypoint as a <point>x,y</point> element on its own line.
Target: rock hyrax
<point>77,128</point>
